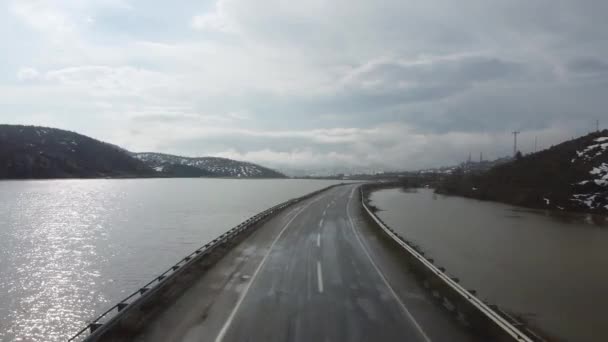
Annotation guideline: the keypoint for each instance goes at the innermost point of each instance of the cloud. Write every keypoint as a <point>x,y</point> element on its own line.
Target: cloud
<point>216,20</point>
<point>388,83</point>
<point>393,74</point>
<point>391,147</point>
<point>180,115</point>
<point>588,65</point>
<point>101,80</point>
<point>44,18</point>
<point>296,159</point>
<point>27,74</point>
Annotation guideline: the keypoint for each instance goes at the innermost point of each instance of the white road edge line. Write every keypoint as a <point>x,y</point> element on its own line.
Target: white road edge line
<point>228,322</point>
<point>319,277</point>
<point>403,307</point>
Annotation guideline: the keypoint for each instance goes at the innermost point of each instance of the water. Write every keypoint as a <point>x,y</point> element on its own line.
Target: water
<point>69,249</point>
<point>551,268</point>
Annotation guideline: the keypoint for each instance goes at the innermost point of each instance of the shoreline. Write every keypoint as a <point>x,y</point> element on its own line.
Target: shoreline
<point>552,209</point>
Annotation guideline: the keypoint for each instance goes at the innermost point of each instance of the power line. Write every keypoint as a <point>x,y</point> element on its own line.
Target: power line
<point>515,133</point>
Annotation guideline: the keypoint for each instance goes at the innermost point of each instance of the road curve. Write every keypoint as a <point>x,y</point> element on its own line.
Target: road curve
<point>316,272</point>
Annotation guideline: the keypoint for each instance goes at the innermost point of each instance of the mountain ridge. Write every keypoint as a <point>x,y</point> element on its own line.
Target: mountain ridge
<point>37,152</point>
<point>220,167</point>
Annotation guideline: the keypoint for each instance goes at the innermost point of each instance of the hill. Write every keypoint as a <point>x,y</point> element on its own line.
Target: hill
<point>177,170</point>
<point>40,152</point>
<point>572,175</point>
<point>212,166</point>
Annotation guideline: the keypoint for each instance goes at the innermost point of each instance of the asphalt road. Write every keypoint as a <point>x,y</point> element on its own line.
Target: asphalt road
<point>316,272</point>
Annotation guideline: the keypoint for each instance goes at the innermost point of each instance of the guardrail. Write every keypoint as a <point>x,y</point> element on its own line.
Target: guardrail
<point>147,290</point>
<point>491,314</point>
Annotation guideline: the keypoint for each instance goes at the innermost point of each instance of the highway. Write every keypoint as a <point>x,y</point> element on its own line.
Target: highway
<point>315,272</point>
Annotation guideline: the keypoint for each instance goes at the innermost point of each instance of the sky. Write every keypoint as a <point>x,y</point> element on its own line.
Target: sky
<point>309,85</point>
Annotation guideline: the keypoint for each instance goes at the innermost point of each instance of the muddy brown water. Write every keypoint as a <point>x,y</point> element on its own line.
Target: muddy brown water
<point>551,268</point>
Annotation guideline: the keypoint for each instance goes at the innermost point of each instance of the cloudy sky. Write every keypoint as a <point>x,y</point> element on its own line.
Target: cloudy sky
<point>397,84</point>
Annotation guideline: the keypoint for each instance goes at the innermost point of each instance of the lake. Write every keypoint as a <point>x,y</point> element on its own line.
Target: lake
<point>552,268</point>
<point>70,249</point>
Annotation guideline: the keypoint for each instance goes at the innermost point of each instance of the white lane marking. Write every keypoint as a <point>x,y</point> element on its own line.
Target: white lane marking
<point>324,212</point>
<point>228,322</point>
<point>319,277</point>
<point>321,223</point>
<point>319,240</point>
<point>401,304</point>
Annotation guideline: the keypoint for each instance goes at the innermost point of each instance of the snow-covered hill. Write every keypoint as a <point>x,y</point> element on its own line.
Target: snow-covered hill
<point>592,190</point>
<point>212,166</point>
<point>570,176</point>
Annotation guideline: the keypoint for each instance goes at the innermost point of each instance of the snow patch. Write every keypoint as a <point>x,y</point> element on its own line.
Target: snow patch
<point>220,166</point>
<point>601,172</point>
<point>593,151</point>
<point>587,199</point>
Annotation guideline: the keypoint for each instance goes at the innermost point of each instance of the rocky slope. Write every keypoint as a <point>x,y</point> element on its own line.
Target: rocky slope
<point>211,166</point>
<point>40,152</point>
<point>569,176</point>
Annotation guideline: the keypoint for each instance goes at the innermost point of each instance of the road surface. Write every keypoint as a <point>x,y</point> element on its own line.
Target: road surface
<point>315,272</point>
